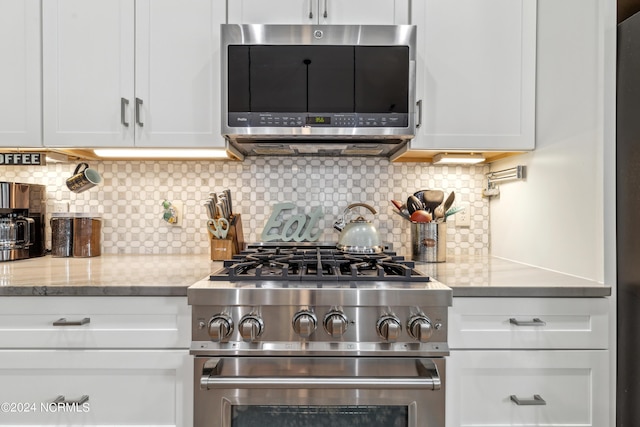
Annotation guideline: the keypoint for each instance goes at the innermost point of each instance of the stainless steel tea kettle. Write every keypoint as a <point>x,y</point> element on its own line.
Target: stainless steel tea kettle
<point>358,236</point>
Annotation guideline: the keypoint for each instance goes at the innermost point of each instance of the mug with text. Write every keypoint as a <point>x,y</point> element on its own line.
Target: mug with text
<point>83,178</point>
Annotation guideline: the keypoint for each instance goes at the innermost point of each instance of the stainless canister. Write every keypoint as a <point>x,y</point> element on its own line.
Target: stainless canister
<point>429,241</point>
<point>61,235</point>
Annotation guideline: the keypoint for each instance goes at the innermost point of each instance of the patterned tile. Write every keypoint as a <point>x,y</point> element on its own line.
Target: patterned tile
<point>129,199</point>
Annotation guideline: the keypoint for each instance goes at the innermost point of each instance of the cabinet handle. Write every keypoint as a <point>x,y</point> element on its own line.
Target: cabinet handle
<point>64,322</point>
<point>325,9</point>
<point>419,104</point>
<point>310,9</point>
<point>138,104</point>
<point>534,322</point>
<point>123,107</point>
<point>537,400</point>
<point>62,400</point>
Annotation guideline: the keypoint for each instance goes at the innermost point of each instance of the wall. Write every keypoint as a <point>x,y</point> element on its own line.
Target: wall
<point>129,199</point>
<point>557,217</point>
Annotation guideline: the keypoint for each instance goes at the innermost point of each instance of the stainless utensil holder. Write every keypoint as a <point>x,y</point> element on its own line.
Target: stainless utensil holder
<point>429,241</point>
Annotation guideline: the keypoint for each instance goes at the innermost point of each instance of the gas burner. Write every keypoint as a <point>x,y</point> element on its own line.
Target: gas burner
<point>308,264</point>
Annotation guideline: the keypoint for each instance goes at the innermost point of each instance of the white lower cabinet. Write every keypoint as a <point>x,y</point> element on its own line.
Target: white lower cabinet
<point>528,362</point>
<point>96,387</point>
<point>95,361</point>
<point>527,388</point>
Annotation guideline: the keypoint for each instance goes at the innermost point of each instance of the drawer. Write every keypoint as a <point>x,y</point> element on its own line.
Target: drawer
<point>142,387</point>
<point>505,323</point>
<point>572,388</point>
<point>94,322</point>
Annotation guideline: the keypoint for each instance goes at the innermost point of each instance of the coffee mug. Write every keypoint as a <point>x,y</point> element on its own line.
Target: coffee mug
<point>83,178</point>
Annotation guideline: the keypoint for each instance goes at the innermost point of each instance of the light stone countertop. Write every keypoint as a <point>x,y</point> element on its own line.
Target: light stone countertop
<point>171,275</point>
<point>105,275</point>
<point>497,277</point>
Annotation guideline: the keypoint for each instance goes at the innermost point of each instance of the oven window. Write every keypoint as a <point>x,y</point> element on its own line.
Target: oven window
<point>319,416</point>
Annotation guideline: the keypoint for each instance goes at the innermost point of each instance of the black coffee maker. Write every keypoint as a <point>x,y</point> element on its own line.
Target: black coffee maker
<point>23,211</point>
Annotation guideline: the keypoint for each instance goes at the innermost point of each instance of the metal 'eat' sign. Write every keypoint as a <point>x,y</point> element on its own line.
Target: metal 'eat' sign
<point>298,227</point>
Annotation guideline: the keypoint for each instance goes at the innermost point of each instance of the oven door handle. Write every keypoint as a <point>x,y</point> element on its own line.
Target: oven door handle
<point>427,378</point>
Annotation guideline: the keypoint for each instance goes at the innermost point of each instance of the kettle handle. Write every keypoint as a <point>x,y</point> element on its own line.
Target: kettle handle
<point>364,205</point>
<point>339,225</point>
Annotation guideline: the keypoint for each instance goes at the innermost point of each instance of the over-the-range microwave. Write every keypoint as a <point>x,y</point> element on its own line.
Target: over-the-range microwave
<point>318,89</point>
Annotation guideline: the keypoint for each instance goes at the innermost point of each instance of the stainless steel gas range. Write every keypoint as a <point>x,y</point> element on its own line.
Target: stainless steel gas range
<point>310,336</point>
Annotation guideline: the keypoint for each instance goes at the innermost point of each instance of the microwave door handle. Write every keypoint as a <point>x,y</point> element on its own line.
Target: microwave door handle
<point>310,9</point>
<point>325,15</point>
<point>419,104</point>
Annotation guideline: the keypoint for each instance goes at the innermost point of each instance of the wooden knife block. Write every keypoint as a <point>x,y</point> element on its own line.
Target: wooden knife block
<point>222,249</point>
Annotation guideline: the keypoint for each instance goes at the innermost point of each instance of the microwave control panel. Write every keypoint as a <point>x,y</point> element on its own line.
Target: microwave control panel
<point>337,120</point>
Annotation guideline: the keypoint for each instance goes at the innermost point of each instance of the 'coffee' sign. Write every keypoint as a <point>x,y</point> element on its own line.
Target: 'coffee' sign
<point>298,227</point>
<point>20,159</point>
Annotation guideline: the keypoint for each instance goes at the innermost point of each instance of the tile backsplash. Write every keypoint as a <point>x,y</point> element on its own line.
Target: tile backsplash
<point>129,200</point>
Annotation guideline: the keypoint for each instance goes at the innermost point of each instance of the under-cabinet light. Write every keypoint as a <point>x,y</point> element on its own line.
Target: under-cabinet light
<point>457,158</point>
<point>53,157</point>
<point>168,153</point>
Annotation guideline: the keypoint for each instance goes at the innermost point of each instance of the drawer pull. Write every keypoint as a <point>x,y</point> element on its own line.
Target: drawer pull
<point>62,400</point>
<point>64,322</point>
<point>537,400</point>
<point>534,322</point>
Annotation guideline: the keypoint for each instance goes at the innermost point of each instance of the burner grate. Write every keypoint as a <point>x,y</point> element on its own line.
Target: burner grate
<point>295,264</point>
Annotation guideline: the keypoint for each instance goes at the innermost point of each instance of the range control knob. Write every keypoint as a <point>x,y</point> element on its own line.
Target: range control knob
<point>251,327</point>
<point>220,327</point>
<point>304,323</point>
<point>420,328</point>
<point>389,328</point>
<point>335,323</point>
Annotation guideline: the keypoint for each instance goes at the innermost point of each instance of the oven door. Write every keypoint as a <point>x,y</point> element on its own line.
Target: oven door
<point>314,392</point>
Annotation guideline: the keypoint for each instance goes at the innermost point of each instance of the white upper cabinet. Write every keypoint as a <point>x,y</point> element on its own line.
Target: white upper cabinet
<point>325,12</point>
<point>128,73</point>
<point>178,72</point>
<point>88,60</point>
<point>475,74</point>
<point>20,74</point>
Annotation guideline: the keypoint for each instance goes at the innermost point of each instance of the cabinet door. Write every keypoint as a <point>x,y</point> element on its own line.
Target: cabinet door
<point>20,118</point>
<point>558,323</point>
<point>370,12</point>
<point>95,322</point>
<point>326,12</point>
<point>151,387</point>
<point>573,386</point>
<point>273,12</point>
<point>88,53</point>
<point>178,73</point>
<point>476,74</point>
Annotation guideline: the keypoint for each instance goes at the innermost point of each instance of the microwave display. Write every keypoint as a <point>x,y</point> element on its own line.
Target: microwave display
<point>318,120</point>
<point>318,85</point>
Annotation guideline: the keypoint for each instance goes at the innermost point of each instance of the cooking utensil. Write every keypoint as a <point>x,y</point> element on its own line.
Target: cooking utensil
<point>451,211</point>
<point>439,212</point>
<point>432,199</point>
<point>414,204</point>
<point>404,214</point>
<point>421,216</point>
<point>447,203</point>
<point>218,227</point>
<point>358,236</point>
<point>402,209</point>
